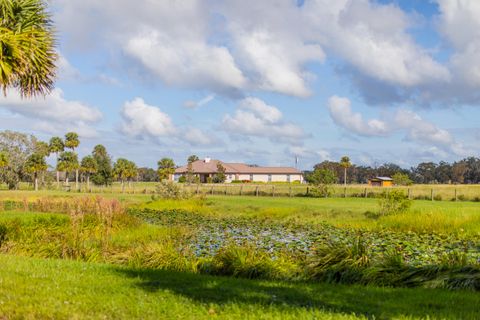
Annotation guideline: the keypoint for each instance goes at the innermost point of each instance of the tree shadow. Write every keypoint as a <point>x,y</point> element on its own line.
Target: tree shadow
<point>373,302</point>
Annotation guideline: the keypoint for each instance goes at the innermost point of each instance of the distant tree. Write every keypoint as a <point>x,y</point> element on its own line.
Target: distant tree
<point>190,175</point>
<point>104,174</point>
<point>424,172</point>
<point>56,146</point>
<point>166,167</point>
<point>88,166</point>
<point>3,160</point>
<point>345,164</point>
<point>27,59</point>
<point>42,148</point>
<point>124,170</point>
<point>401,179</point>
<point>147,175</point>
<point>67,162</point>
<point>35,164</point>
<point>458,171</point>
<point>220,176</point>
<point>17,147</point>
<point>72,142</point>
<point>472,175</point>
<point>192,158</point>
<point>443,172</point>
<point>323,179</point>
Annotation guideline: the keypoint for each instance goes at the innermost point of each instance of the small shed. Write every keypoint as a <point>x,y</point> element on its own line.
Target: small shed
<point>380,182</point>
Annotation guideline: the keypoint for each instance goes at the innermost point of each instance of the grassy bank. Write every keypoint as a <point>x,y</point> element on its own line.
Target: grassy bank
<point>37,288</point>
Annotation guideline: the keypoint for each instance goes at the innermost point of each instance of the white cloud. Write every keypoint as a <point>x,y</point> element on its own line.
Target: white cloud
<point>415,128</point>
<point>197,137</point>
<point>143,120</point>
<point>254,118</point>
<point>53,113</point>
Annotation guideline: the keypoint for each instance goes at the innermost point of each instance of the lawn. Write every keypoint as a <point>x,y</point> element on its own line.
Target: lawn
<point>42,288</point>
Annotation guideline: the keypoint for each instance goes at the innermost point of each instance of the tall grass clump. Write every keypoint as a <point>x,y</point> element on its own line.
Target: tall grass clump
<point>393,202</point>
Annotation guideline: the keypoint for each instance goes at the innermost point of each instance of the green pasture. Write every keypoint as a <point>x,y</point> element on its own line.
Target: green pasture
<point>55,289</point>
<point>438,192</point>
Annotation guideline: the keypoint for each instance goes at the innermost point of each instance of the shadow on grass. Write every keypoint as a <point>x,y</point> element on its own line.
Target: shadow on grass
<point>374,302</point>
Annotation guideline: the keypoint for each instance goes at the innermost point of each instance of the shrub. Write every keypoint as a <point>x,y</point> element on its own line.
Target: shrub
<point>437,197</point>
<point>3,234</point>
<point>393,202</point>
<point>182,179</point>
<point>171,190</point>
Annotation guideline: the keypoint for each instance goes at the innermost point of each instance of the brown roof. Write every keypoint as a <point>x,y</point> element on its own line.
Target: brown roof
<point>201,166</point>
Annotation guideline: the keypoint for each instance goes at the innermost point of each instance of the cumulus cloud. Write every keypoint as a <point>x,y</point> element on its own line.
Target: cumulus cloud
<point>141,120</point>
<point>254,118</point>
<point>54,113</point>
<point>415,128</point>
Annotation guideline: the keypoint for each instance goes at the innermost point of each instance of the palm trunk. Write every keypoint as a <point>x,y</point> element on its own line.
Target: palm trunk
<point>88,183</point>
<point>36,182</point>
<point>76,179</point>
<point>123,186</point>
<point>58,175</point>
<point>66,178</point>
<point>345,177</point>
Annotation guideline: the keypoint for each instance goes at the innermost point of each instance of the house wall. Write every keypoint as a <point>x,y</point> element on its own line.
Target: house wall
<point>257,177</point>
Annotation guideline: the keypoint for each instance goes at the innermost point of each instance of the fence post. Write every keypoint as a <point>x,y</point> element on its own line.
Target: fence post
<point>345,192</point>
<point>198,186</point>
<point>256,191</point>
<point>241,189</point>
<point>431,194</point>
<point>211,191</point>
<point>290,191</point>
<point>308,191</point>
<point>409,196</point>
<point>365,193</point>
<point>456,198</point>
<point>273,191</point>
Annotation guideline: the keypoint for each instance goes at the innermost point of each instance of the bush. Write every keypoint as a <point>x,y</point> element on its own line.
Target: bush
<point>3,234</point>
<point>182,179</point>
<point>171,190</point>
<point>393,202</point>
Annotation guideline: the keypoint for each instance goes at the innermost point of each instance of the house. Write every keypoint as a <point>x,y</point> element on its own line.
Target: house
<point>207,168</point>
<point>380,182</point>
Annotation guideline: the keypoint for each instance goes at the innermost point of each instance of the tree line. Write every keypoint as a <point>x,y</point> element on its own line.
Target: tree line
<point>465,171</point>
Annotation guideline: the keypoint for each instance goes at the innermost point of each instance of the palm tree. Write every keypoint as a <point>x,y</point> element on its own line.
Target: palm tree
<point>345,164</point>
<point>192,158</point>
<point>166,167</point>
<point>71,142</point>
<point>88,166</point>
<point>35,164</point>
<point>68,161</point>
<point>56,146</point>
<point>124,170</point>
<point>27,47</point>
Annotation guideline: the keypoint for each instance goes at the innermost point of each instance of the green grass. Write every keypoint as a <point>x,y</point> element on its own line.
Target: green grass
<point>424,216</point>
<point>36,288</point>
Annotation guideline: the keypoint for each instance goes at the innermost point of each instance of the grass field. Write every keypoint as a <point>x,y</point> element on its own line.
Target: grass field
<point>55,289</point>
<point>418,192</point>
<point>158,260</point>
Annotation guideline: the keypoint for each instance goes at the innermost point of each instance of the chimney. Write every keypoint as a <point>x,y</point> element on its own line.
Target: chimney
<point>207,160</point>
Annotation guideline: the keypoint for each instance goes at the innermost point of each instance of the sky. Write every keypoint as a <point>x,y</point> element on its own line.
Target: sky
<point>263,82</point>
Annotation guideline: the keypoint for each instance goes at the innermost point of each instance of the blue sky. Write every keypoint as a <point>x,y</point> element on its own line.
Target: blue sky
<point>264,81</point>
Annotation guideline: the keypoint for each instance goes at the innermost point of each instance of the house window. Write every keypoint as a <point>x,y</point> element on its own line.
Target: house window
<point>251,177</point>
<point>230,176</point>
<point>269,178</point>
<point>288,178</point>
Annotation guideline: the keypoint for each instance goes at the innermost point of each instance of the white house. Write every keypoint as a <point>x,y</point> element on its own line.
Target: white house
<point>239,171</point>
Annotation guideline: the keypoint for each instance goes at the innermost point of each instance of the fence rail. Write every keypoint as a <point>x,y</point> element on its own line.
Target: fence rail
<point>416,192</point>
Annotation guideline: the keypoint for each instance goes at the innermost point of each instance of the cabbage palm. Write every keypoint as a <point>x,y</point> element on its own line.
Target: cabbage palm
<point>68,162</point>
<point>345,164</point>
<point>35,164</point>
<point>88,166</point>
<point>72,141</point>
<point>56,146</point>
<point>27,47</point>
